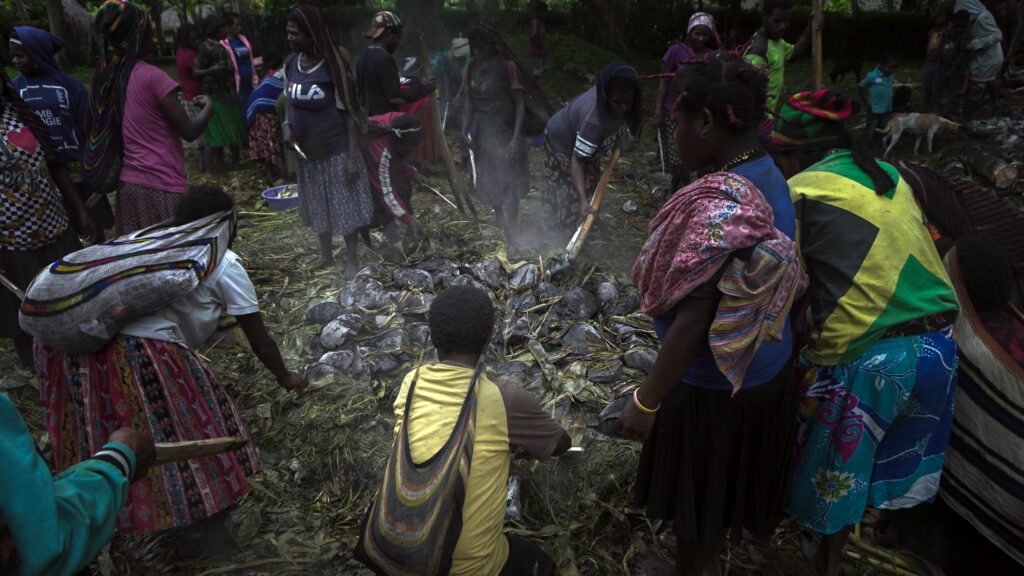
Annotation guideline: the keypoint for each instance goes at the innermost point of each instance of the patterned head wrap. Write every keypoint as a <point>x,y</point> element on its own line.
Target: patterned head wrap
<point>121,25</point>
<point>381,22</point>
<point>311,21</point>
<point>810,118</point>
<point>701,19</point>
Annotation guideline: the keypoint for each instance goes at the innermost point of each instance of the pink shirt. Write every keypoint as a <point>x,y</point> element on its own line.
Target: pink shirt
<point>153,156</point>
<point>186,61</point>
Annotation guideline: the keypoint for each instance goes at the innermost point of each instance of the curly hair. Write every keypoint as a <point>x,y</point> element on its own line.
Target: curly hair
<point>461,319</point>
<point>985,271</point>
<point>729,87</point>
<point>200,202</point>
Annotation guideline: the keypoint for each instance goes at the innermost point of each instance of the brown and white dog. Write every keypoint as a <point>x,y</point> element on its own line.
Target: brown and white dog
<point>918,124</point>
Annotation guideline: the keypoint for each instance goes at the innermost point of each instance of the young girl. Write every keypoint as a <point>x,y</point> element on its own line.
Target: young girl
<point>716,411</point>
<point>320,118</point>
<point>216,67</point>
<point>701,38</point>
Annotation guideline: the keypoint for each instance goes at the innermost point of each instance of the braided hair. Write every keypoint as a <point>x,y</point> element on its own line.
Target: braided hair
<point>27,116</point>
<point>729,87</point>
<point>485,33</point>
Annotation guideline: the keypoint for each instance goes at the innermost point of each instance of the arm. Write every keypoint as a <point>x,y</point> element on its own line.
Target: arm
<point>354,154</point>
<point>266,350</point>
<point>579,183</point>
<point>686,336</point>
<point>187,128</point>
<point>69,191</point>
<point>467,118</point>
<point>662,90</point>
<point>60,523</point>
<point>530,428</point>
<point>803,44</point>
<point>515,145</point>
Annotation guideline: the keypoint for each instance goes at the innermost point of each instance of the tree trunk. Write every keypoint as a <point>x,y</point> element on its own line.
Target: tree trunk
<point>422,16</point>
<point>855,7</point>
<point>22,12</point>
<point>606,9</point>
<point>58,27</point>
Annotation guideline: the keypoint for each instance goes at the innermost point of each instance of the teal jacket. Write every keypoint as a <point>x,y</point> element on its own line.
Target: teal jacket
<point>58,523</point>
<point>879,91</point>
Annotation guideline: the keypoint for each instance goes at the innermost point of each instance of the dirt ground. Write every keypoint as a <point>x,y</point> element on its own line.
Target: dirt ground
<point>323,450</point>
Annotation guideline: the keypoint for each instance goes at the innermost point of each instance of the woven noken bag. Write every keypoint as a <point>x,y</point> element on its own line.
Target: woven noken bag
<point>415,519</point>
<point>80,302</point>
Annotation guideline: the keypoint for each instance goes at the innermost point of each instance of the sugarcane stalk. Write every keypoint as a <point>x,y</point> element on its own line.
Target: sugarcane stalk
<point>168,452</point>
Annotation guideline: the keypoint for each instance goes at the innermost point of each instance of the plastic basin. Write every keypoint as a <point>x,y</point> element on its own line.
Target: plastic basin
<point>278,204</point>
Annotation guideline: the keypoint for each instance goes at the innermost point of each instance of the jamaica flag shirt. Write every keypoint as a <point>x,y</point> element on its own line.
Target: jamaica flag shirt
<point>871,261</point>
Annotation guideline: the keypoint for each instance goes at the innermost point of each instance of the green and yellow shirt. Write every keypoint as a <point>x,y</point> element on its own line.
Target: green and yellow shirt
<point>872,263</point>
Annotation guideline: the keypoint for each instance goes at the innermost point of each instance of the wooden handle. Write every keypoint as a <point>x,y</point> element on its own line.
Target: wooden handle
<point>573,249</point>
<point>168,452</point>
<point>816,45</point>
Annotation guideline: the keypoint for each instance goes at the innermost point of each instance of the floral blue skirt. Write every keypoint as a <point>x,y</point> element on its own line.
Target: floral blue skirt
<point>873,432</point>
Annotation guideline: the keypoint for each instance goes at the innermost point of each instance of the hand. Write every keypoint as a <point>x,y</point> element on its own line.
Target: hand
<point>515,147</point>
<point>657,119</point>
<point>141,446</point>
<point>287,136</point>
<point>86,225</point>
<point>422,180</point>
<point>634,424</point>
<point>586,208</point>
<point>430,84</point>
<point>292,382</point>
<point>351,168</point>
<point>202,101</point>
<point>415,229</point>
<point>467,138</point>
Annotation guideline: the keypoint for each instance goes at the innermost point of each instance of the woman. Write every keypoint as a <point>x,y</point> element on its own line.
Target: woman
<point>321,120</point>
<point>700,32</point>
<point>578,135</point>
<point>187,41</point>
<point>61,101</point>
<point>242,58</point>
<point>265,145</point>
<point>497,105</point>
<point>150,377</point>
<point>718,276</point>
<point>214,65</point>
<point>136,118</point>
<point>35,190</point>
<point>878,374</point>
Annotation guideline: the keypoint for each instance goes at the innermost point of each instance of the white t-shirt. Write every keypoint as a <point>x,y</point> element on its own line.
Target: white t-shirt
<point>191,319</point>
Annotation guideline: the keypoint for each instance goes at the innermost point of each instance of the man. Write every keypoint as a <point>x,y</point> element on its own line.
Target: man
<point>985,49</point>
<point>377,76</point>
<point>55,525</point>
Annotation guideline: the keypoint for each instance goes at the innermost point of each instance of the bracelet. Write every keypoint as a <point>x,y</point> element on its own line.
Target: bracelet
<point>285,123</point>
<point>641,406</point>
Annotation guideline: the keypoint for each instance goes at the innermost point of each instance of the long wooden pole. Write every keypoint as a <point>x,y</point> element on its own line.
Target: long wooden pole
<point>576,244</point>
<point>167,452</point>
<point>446,154</point>
<point>816,45</point>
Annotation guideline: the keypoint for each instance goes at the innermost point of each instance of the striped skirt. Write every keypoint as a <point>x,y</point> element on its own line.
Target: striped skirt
<point>164,389</point>
<point>328,203</point>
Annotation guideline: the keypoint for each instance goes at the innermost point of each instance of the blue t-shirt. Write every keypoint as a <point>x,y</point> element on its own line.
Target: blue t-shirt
<point>61,104</point>
<point>244,61</point>
<point>879,91</point>
<point>771,356</point>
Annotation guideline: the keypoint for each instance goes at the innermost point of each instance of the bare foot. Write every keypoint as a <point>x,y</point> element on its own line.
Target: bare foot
<point>323,263</point>
<point>351,269</point>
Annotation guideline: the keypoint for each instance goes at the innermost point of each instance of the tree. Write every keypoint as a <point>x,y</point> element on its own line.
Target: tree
<point>58,26</point>
<point>422,16</point>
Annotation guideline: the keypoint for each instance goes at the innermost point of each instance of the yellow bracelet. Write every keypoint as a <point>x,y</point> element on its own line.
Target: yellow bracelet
<point>640,405</point>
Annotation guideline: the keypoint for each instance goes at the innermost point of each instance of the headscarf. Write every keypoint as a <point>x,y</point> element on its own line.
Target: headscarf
<point>381,22</point>
<point>694,236</point>
<point>121,25</point>
<point>40,46</point>
<point>704,19</point>
<point>811,118</point>
<point>635,117</point>
<point>311,21</point>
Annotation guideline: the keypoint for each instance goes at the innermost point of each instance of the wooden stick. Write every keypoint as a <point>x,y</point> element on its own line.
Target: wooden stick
<point>661,152</point>
<point>12,287</point>
<point>168,452</point>
<point>816,45</point>
<point>446,154</point>
<point>573,249</point>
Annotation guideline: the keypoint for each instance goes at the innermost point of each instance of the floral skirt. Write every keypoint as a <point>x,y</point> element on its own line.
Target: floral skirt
<point>873,432</point>
<point>265,144</point>
<point>163,389</point>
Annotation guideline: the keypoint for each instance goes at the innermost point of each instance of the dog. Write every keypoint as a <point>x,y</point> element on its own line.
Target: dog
<point>919,124</point>
<point>844,67</point>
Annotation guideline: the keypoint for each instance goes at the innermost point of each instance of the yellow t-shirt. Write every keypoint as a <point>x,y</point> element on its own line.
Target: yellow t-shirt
<point>506,416</point>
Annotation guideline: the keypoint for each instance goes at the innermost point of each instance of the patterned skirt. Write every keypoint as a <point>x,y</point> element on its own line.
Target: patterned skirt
<point>328,203</point>
<point>667,130</point>
<point>226,127</point>
<point>557,188</point>
<point>139,206</point>
<point>873,431</point>
<point>265,144</point>
<point>164,389</point>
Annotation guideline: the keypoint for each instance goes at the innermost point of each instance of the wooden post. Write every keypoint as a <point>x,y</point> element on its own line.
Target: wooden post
<point>446,154</point>
<point>816,18</point>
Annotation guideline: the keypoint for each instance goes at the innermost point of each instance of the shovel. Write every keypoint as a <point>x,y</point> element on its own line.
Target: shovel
<point>564,262</point>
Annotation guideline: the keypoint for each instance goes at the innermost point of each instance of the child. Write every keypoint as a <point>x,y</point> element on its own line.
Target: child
<point>393,137</point>
<point>879,85</point>
<point>769,52</point>
<point>538,42</point>
<point>507,419</point>
<point>933,53</point>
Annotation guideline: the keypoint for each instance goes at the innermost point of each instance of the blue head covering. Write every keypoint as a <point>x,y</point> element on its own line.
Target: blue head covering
<point>635,117</point>
<point>40,46</point>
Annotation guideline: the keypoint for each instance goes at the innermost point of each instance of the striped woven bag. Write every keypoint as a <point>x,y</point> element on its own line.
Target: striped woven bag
<point>415,519</point>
